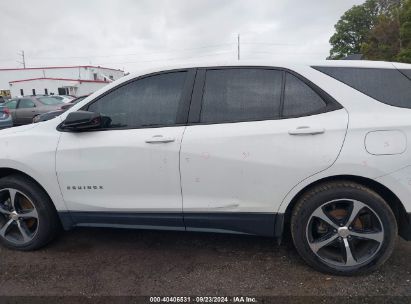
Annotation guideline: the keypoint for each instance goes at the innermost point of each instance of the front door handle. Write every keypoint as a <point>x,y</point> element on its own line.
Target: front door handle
<point>159,139</point>
<point>305,130</point>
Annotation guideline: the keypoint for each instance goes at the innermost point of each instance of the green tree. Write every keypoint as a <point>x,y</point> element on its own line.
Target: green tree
<point>383,41</point>
<point>353,30</point>
<point>405,33</point>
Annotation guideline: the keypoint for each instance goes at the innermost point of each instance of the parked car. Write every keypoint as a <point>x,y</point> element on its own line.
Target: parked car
<point>318,150</point>
<point>5,117</point>
<point>24,109</point>
<point>53,114</point>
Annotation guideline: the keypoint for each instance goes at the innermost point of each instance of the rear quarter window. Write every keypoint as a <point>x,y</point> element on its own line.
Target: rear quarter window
<point>389,86</point>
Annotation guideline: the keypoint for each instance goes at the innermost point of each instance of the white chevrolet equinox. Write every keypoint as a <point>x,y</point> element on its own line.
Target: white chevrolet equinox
<point>320,151</point>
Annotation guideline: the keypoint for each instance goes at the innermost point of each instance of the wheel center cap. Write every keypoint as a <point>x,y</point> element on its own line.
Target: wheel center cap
<point>14,216</point>
<point>343,232</point>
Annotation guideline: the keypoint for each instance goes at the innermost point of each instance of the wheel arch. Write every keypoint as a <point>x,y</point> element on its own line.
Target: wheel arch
<point>4,172</point>
<point>392,200</point>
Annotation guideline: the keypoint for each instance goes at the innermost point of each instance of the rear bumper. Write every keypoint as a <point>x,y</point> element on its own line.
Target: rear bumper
<point>405,227</point>
<point>6,124</point>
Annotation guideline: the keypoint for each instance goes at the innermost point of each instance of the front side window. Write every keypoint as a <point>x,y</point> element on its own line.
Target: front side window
<point>26,103</point>
<point>242,94</point>
<point>389,86</point>
<point>151,101</point>
<point>299,98</point>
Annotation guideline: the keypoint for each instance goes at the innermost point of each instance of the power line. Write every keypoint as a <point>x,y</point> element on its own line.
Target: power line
<point>135,54</point>
<point>269,43</point>
<point>239,43</point>
<point>167,59</point>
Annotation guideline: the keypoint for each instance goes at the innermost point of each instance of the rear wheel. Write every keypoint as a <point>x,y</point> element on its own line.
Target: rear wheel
<point>36,118</point>
<point>28,219</point>
<point>343,228</point>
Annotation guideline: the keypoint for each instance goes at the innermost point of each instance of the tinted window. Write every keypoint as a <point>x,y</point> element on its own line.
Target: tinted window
<point>26,103</point>
<point>389,86</point>
<point>241,95</point>
<point>11,104</point>
<point>151,101</point>
<point>299,98</point>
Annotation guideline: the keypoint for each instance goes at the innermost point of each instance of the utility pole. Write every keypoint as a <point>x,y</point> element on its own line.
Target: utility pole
<point>238,47</point>
<point>23,62</point>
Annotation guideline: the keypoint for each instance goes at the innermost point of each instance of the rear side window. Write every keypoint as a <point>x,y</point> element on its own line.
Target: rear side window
<point>389,86</point>
<point>300,99</point>
<point>233,95</point>
<point>26,103</point>
<point>146,102</point>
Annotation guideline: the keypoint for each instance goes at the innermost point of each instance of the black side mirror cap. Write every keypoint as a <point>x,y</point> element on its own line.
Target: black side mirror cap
<point>81,121</point>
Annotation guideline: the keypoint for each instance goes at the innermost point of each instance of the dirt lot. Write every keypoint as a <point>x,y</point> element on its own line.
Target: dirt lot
<point>125,262</point>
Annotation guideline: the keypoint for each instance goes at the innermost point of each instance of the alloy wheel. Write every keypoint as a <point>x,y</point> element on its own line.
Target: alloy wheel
<point>345,233</point>
<point>19,219</point>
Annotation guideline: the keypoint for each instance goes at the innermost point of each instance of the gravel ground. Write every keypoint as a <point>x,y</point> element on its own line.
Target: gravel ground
<point>98,262</point>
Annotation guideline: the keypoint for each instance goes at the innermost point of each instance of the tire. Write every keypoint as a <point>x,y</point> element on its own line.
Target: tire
<point>32,220</point>
<point>35,118</point>
<point>356,235</point>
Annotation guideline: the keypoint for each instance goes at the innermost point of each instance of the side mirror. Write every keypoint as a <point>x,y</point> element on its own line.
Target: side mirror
<point>81,121</point>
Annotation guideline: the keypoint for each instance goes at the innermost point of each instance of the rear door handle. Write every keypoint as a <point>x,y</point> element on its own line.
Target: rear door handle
<point>159,139</point>
<point>305,130</point>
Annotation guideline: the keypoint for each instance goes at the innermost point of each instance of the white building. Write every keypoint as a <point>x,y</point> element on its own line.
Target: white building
<point>71,80</point>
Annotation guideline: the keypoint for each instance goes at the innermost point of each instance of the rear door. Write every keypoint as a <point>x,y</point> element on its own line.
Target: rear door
<point>253,134</point>
<point>26,110</point>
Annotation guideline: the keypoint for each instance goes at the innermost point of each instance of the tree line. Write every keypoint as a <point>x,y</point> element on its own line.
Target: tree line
<point>377,29</point>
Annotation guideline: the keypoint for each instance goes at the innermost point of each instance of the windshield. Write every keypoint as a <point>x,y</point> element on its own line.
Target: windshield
<point>49,101</point>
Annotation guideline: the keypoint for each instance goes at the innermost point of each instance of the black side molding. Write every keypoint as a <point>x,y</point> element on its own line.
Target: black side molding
<point>260,224</point>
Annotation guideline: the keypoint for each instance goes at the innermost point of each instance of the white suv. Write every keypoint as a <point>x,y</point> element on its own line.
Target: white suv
<point>318,150</point>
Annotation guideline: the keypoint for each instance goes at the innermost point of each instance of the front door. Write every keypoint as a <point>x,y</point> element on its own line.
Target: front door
<point>127,173</point>
<point>254,135</point>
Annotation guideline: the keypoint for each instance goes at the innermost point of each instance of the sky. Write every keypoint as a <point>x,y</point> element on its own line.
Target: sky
<point>137,34</point>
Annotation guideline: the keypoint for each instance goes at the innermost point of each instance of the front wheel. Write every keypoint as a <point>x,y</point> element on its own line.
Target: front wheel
<point>343,228</point>
<point>28,219</point>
